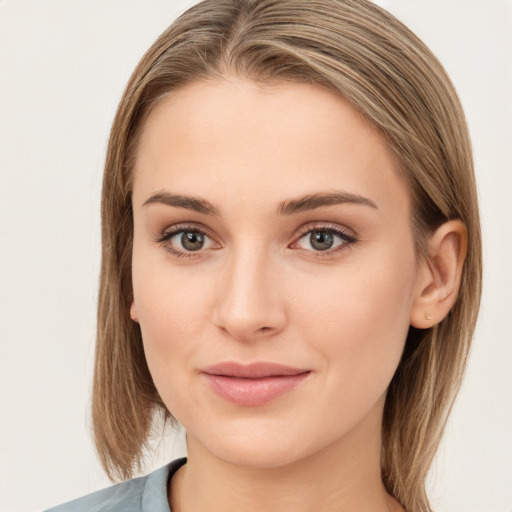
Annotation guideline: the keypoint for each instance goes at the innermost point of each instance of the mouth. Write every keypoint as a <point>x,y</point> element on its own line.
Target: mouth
<point>254,384</point>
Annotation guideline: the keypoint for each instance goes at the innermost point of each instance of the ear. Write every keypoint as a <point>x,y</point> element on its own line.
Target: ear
<point>439,276</point>
<point>133,312</point>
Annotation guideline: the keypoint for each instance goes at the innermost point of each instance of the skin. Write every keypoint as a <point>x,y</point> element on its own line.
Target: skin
<point>259,291</point>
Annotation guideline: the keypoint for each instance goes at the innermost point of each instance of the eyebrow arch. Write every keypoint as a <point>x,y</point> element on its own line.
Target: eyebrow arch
<point>293,206</point>
<point>313,201</point>
<point>181,201</point>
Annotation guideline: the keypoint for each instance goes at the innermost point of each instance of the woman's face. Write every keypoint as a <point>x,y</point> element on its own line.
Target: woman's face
<point>274,270</point>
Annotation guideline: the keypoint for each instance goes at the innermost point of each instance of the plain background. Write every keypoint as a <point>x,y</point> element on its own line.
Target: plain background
<point>63,67</point>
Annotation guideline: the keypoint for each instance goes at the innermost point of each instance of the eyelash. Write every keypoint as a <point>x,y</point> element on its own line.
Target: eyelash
<point>348,239</point>
<point>168,234</point>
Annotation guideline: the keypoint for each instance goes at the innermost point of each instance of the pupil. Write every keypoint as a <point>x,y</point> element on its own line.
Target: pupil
<point>321,240</point>
<point>192,241</point>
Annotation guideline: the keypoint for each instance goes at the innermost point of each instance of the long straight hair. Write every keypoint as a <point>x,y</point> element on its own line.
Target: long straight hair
<point>362,53</point>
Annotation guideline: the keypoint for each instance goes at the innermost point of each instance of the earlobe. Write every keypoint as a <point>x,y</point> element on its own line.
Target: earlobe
<point>440,275</point>
<point>133,312</point>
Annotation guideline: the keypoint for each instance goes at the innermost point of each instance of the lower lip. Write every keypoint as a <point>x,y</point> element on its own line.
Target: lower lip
<point>254,392</point>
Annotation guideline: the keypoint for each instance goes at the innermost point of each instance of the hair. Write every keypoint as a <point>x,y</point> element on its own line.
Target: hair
<point>362,53</point>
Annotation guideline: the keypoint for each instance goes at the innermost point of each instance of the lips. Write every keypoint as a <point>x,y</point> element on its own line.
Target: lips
<point>254,384</point>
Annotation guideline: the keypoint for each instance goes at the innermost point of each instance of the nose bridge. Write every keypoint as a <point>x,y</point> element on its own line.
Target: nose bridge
<point>248,302</point>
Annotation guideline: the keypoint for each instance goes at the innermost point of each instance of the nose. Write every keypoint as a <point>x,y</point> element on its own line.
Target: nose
<point>249,296</point>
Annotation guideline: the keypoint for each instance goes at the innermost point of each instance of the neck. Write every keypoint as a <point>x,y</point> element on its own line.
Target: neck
<point>344,476</point>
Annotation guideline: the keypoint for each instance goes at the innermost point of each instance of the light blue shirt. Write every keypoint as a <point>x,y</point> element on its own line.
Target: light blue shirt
<point>144,494</point>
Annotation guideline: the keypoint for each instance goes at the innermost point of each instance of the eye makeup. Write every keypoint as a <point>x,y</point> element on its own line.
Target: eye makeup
<point>317,240</point>
<point>193,239</point>
<point>323,240</point>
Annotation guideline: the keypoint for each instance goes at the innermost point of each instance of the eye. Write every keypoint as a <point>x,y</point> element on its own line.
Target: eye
<point>323,239</point>
<point>189,240</point>
<point>185,241</point>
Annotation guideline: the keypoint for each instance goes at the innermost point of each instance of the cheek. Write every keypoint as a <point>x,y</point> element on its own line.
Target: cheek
<point>172,317</point>
<point>359,321</point>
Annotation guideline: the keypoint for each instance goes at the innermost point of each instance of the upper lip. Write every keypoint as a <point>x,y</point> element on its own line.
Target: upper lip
<point>253,370</point>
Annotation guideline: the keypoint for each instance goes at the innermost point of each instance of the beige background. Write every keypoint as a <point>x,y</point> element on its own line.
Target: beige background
<point>63,66</point>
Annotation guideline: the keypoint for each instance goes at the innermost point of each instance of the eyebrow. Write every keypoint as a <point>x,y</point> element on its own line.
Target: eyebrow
<point>181,201</point>
<point>313,201</point>
<point>293,206</point>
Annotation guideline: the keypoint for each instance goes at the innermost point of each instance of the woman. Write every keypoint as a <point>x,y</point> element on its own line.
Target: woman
<point>291,262</point>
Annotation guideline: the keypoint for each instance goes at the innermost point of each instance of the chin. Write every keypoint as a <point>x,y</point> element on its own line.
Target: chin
<point>256,456</point>
<point>256,444</point>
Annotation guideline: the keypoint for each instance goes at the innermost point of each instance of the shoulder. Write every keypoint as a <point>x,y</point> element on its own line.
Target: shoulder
<point>144,494</point>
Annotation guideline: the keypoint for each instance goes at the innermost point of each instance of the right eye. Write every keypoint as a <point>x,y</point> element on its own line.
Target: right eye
<point>186,242</point>
<point>190,240</point>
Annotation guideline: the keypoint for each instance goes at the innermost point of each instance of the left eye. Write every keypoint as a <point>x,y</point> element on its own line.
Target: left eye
<point>322,240</point>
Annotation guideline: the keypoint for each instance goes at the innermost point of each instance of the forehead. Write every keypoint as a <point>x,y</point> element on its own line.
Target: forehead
<point>236,137</point>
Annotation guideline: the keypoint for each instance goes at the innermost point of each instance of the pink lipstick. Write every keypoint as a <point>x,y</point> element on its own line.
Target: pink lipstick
<point>254,384</point>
